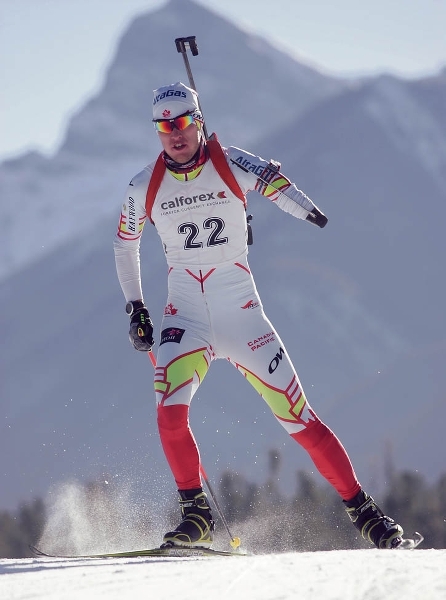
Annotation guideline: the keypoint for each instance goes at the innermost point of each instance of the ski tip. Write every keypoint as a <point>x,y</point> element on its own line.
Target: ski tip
<point>36,551</point>
<point>411,543</point>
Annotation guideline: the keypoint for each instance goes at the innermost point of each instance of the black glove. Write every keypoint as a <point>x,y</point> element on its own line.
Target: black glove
<point>141,330</point>
<point>317,217</point>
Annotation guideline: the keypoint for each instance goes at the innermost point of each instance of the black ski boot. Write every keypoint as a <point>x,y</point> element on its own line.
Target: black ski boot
<point>197,527</point>
<point>372,523</point>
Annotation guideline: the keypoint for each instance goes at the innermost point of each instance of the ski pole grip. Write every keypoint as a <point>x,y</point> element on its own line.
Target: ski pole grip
<point>181,44</point>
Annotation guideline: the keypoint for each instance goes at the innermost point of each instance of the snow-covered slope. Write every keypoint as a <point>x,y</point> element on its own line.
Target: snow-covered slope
<point>340,575</point>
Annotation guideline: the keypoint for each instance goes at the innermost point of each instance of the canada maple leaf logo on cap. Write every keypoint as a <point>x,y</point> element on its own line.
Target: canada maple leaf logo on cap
<point>166,113</point>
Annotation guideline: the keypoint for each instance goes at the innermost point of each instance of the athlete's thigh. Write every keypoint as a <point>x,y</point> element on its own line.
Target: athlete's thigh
<point>261,357</point>
<point>183,359</point>
<point>257,347</point>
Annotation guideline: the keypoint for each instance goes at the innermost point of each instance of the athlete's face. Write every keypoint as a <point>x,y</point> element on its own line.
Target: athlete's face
<point>181,145</point>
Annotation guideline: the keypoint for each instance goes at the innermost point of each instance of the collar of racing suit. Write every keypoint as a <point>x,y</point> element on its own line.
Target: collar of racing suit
<point>190,169</point>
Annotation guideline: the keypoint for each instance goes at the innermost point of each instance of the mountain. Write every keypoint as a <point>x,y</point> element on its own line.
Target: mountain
<point>111,137</point>
<point>358,304</point>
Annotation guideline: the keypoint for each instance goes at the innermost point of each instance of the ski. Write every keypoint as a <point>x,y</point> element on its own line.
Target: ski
<point>411,543</point>
<point>170,551</point>
<point>183,552</point>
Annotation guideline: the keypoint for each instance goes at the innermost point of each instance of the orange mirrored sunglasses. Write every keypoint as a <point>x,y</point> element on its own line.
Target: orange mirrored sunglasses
<point>168,125</point>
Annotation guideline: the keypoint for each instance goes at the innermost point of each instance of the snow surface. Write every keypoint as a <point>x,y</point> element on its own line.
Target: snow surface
<point>336,575</point>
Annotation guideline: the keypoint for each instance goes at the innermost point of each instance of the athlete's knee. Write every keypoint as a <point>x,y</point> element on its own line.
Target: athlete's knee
<point>316,435</point>
<point>173,418</point>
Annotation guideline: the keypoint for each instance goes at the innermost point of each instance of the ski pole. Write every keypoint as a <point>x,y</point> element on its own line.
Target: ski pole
<point>235,541</point>
<point>181,44</point>
<point>152,358</point>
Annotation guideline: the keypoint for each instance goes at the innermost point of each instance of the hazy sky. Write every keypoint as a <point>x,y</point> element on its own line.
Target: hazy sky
<point>54,53</point>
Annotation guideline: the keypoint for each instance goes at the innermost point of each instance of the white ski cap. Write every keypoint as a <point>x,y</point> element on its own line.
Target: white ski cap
<point>173,100</point>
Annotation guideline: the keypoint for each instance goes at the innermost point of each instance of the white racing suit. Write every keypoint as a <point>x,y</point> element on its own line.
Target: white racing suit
<point>213,309</point>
